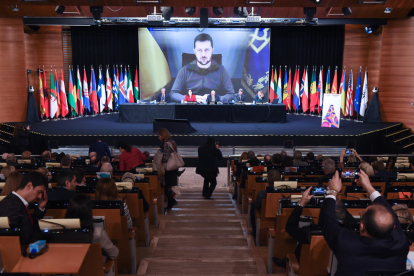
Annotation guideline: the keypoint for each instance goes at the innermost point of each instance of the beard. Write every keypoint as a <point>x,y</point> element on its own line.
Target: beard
<point>200,61</point>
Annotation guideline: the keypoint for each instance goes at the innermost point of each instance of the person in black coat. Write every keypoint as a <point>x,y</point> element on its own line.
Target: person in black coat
<point>381,244</point>
<point>66,183</point>
<point>379,170</point>
<point>162,97</point>
<point>101,149</point>
<point>14,206</point>
<point>207,165</point>
<point>21,138</point>
<point>213,97</point>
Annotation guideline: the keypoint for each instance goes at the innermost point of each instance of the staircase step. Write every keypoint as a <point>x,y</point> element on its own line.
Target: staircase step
<point>401,140</point>
<point>202,225</point>
<point>203,254</point>
<point>202,232</point>
<point>201,212</point>
<point>201,242</point>
<point>399,132</point>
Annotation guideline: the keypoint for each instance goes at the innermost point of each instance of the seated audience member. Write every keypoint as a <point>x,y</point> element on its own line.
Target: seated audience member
<point>302,234</point>
<point>11,160</point>
<point>253,161</point>
<point>105,159</point>
<point>268,159</point>
<point>283,153</point>
<point>328,169</point>
<point>27,155</point>
<point>94,164</point>
<point>130,157</point>
<point>4,156</point>
<point>239,97</point>
<point>107,167</point>
<point>319,157</point>
<point>367,168</point>
<point>190,97</point>
<point>213,97</point>
<point>130,177</point>
<point>12,183</point>
<point>260,98</point>
<point>310,157</point>
<point>6,171</point>
<point>380,245</point>
<point>403,213</point>
<point>66,182</point>
<point>65,162</point>
<point>45,172</point>
<point>297,159</point>
<point>54,156</point>
<point>379,171</point>
<point>147,154</point>
<point>80,176</point>
<point>80,206</point>
<point>14,206</point>
<point>100,148</point>
<point>243,156</point>
<point>277,159</point>
<point>106,190</point>
<point>287,161</point>
<point>411,160</point>
<point>272,176</point>
<point>162,97</point>
<point>46,155</point>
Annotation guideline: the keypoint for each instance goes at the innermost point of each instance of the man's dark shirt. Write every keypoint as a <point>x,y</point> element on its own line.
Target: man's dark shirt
<point>101,149</point>
<point>217,98</point>
<point>202,81</point>
<point>326,178</point>
<point>207,160</point>
<point>357,254</point>
<point>60,193</point>
<point>167,98</point>
<point>13,208</point>
<point>238,98</point>
<point>386,175</point>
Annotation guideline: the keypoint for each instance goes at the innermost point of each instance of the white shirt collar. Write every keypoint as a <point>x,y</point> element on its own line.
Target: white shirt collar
<point>22,199</point>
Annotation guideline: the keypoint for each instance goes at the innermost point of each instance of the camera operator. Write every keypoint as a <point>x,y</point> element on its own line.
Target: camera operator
<point>207,167</point>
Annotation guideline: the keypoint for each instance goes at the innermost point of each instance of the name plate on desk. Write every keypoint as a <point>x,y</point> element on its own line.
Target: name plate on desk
<point>259,103</point>
<point>59,223</point>
<point>239,103</point>
<point>161,103</point>
<point>191,103</point>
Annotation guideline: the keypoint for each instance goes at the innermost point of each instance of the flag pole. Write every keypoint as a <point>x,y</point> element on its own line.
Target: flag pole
<point>357,112</point>
<point>297,109</point>
<point>319,107</point>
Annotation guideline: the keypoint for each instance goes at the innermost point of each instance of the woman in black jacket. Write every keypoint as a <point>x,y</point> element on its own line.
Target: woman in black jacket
<point>21,138</point>
<point>207,165</point>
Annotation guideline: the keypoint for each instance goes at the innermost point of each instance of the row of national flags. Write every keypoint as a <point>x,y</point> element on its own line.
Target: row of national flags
<point>83,97</point>
<point>309,97</point>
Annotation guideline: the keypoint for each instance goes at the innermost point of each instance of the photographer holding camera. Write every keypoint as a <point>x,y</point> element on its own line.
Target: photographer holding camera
<point>207,167</point>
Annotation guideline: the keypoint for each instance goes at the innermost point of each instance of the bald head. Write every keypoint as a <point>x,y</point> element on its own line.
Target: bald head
<point>377,221</point>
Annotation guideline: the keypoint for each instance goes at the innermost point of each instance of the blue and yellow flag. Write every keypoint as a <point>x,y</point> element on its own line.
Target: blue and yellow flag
<point>357,100</point>
<point>328,82</point>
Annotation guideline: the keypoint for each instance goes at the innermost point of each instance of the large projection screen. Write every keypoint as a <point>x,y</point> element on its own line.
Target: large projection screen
<point>220,59</point>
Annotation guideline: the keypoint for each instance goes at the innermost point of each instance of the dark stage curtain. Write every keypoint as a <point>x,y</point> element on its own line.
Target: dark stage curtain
<point>308,45</point>
<point>105,45</point>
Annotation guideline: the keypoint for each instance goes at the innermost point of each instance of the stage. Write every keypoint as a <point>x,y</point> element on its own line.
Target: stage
<point>301,129</point>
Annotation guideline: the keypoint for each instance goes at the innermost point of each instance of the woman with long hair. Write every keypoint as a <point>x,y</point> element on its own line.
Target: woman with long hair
<point>130,157</point>
<point>12,183</point>
<point>168,146</point>
<point>21,138</point>
<point>6,171</point>
<point>106,190</point>
<point>80,206</point>
<point>190,97</point>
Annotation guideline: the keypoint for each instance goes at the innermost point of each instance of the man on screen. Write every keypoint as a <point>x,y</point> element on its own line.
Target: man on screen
<point>203,74</point>
<point>163,97</point>
<point>212,98</point>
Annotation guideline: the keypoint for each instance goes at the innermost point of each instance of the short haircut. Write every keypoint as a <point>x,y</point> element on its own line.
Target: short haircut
<point>105,159</point>
<point>277,158</point>
<point>250,154</point>
<point>124,146</point>
<point>403,213</point>
<point>11,157</point>
<point>128,177</point>
<point>297,155</point>
<point>106,167</point>
<point>340,210</point>
<point>36,178</point>
<point>94,160</point>
<point>310,156</point>
<point>273,176</point>
<point>54,155</point>
<point>374,227</point>
<point>378,165</point>
<point>79,174</point>
<point>26,154</point>
<point>210,140</point>
<point>164,133</point>
<point>203,37</point>
<point>329,165</point>
<point>66,161</point>
<point>367,168</point>
<point>63,176</point>
<point>46,155</point>
<point>241,89</point>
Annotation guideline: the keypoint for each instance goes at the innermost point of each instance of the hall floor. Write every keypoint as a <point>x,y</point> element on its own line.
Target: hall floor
<point>203,237</point>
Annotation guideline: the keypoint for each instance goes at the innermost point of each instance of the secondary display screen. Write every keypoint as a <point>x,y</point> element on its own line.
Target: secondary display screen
<point>202,60</point>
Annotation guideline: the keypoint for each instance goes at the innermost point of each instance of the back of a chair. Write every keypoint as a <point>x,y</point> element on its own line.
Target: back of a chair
<point>260,186</point>
<point>318,258</point>
<point>284,243</point>
<point>111,210</point>
<point>92,264</point>
<point>144,187</point>
<point>272,202</point>
<point>10,251</point>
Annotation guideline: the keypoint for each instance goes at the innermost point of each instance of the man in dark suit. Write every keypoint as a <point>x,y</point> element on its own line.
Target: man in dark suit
<point>379,170</point>
<point>162,97</point>
<point>101,149</point>
<point>66,162</point>
<point>66,183</point>
<point>239,97</point>
<point>94,164</point>
<point>272,176</point>
<point>328,169</point>
<point>14,206</point>
<point>297,159</point>
<point>212,98</point>
<point>207,167</point>
<point>380,245</point>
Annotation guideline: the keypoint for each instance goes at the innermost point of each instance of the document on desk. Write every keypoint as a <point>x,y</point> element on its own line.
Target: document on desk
<point>51,224</point>
<point>4,222</point>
